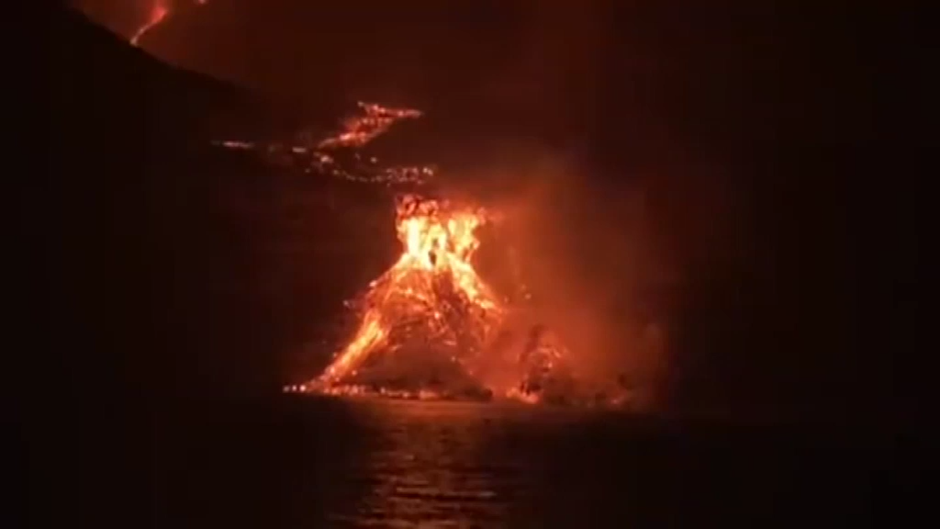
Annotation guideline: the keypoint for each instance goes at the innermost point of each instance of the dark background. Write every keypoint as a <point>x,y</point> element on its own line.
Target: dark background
<point>157,288</point>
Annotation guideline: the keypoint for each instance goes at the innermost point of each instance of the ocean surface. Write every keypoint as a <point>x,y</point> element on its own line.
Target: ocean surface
<point>317,462</point>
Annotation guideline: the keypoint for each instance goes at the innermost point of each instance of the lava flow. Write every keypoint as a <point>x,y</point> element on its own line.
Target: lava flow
<point>158,13</point>
<point>360,130</point>
<point>429,327</point>
<point>431,299</point>
<point>337,154</point>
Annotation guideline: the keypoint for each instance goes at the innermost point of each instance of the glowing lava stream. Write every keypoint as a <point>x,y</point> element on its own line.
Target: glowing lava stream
<point>372,121</point>
<point>158,13</point>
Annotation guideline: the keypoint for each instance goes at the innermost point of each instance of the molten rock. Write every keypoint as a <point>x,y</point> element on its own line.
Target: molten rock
<point>430,326</point>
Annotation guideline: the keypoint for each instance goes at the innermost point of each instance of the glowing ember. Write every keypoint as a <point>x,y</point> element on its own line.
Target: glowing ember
<point>240,145</point>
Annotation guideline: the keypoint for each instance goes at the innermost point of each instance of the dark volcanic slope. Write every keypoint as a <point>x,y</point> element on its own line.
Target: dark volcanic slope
<point>172,269</point>
<point>130,193</point>
<point>95,76</point>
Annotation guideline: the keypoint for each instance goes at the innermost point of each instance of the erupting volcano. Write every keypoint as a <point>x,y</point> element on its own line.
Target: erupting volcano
<point>430,326</point>
<point>427,319</point>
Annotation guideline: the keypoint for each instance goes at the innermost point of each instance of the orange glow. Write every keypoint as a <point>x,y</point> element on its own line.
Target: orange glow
<point>433,276</point>
<point>158,13</point>
<point>359,130</point>
<point>373,121</point>
<point>429,327</point>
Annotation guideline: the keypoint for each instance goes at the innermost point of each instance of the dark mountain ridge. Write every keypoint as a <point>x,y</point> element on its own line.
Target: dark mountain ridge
<point>98,78</point>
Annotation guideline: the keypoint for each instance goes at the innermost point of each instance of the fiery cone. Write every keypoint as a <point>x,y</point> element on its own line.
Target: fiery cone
<point>430,315</point>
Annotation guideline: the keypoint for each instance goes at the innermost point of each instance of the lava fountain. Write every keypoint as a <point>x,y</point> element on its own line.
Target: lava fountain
<point>431,298</point>
<point>430,326</point>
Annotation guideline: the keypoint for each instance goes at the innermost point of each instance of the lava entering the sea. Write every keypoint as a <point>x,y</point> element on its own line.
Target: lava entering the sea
<point>430,327</point>
<point>425,321</point>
